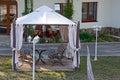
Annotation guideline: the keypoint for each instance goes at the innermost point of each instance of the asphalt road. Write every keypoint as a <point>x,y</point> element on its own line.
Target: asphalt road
<point>5,45</point>
<point>104,48</point>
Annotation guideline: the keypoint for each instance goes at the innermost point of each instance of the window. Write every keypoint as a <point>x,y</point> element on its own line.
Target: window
<point>8,10</point>
<point>89,11</point>
<point>12,12</point>
<point>59,7</point>
<point>3,15</point>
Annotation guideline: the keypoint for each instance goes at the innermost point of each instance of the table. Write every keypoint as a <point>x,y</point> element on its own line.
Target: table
<point>40,51</point>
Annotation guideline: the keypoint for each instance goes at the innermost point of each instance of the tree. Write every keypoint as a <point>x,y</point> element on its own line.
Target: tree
<point>68,9</point>
<point>28,9</point>
<point>28,6</point>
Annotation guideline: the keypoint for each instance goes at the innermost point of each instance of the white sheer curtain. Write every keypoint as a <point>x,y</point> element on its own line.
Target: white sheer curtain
<point>19,39</point>
<point>64,33</point>
<point>11,36</point>
<point>19,36</point>
<point>69,51</point>
<point>72,44</point>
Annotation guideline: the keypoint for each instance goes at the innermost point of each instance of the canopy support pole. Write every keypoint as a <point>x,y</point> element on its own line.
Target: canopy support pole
<point>77,43</point>
<point>14,47</point>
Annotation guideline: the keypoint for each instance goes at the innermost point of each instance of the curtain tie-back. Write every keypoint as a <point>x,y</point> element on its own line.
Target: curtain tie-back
<point>13,49</point>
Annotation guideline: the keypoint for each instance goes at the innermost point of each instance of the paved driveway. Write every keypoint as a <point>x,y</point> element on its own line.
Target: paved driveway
<point>104,49</point>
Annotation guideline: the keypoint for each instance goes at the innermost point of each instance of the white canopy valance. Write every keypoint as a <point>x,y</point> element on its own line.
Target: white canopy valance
<point>44,16</point>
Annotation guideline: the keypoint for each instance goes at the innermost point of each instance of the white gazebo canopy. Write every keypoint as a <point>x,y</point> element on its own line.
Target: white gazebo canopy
<point>43,16</point>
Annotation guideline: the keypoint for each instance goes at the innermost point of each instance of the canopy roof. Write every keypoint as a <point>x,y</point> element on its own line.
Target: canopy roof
<point>44,16</point>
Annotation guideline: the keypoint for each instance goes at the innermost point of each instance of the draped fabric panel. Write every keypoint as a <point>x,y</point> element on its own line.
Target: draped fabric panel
<point>64,33</point>
<point>11,36</point>
<point>11,40</point>
<point>72,44</point>
<point>69,51</point>
<point>19,36</point>
<point>19,39</point>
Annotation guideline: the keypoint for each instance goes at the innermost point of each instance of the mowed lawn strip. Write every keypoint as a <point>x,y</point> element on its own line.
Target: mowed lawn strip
<point>105,68</point>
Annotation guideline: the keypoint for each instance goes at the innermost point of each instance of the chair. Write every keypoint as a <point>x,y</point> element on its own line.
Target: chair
<point>57,57</point>
<point>39,31</point>
<point>49,32</point>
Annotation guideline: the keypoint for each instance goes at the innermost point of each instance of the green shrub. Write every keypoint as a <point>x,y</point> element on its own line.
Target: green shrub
<point>102,34</point>
<point>100,40</point>
<point>86,36</point>
<point>55,39</point>
<point>110,38</point>
<point>30,31</point>
<point>42,40</point>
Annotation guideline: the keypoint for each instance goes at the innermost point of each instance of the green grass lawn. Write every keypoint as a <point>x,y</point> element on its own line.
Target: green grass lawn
<point>106,68</point>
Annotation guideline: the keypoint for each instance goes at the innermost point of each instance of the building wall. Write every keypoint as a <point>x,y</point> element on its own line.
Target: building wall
<point>115,10</point>
<point>49,3</point>
<point>105,14</point>
<point>37,4</point>
<point>20,7</point>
